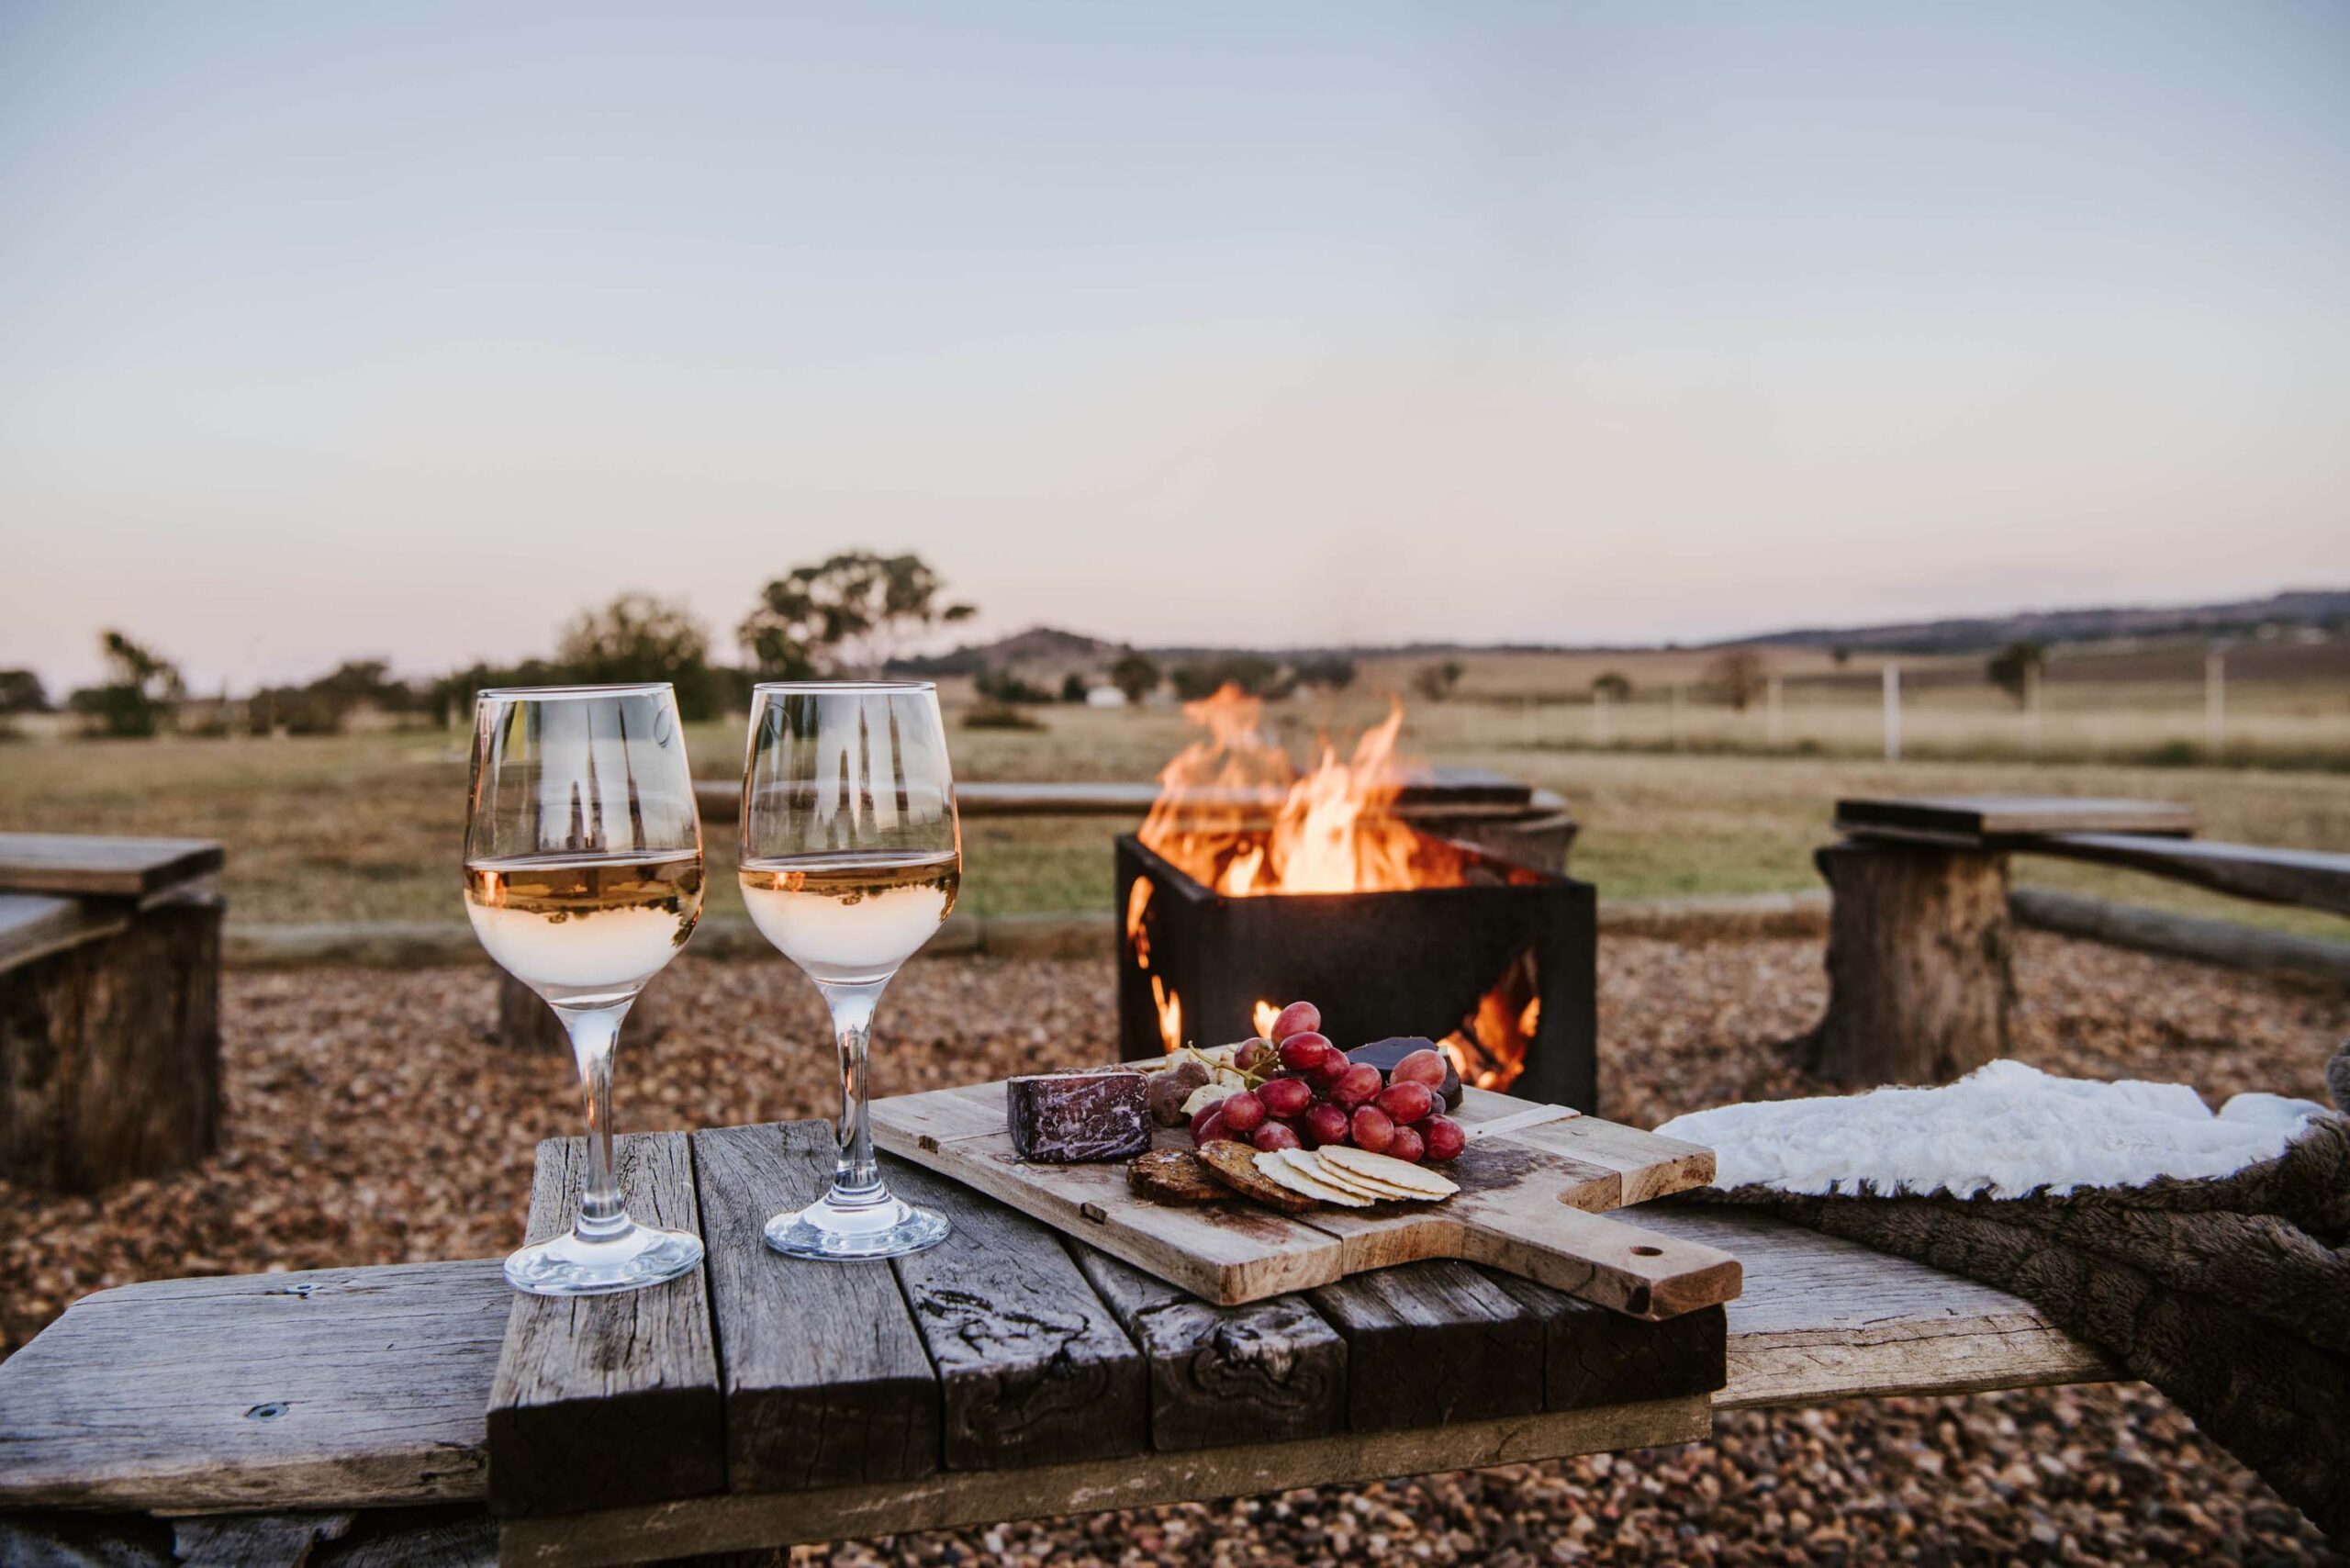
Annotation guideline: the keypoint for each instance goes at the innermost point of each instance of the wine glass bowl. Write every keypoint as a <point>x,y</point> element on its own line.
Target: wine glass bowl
<point>852,857</point>
<point>583,880</point>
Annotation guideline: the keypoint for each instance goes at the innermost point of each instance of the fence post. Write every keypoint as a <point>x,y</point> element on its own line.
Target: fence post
<point>2031,705</point>
<point>1892,712</point>
<point>2215,702</point>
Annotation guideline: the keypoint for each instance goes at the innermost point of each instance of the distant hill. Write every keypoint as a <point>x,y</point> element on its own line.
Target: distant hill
<point>1037,647</point>
<point>2327,608</point>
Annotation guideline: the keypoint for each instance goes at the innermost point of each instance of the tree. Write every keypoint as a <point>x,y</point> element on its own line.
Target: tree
<point>639,637</point>
<point>1330,673</point>
<point>849,614</point>
<point>22,693</point>
<point>1137,674</point>
<point>1736,675</point>
<point>1254,674</point>
<point>1073,687</point>
<point>1613,686</point>
<point>1436,682</point>
<point>2012,667</point>
<point>139,697</point>
<point>1842,655</point>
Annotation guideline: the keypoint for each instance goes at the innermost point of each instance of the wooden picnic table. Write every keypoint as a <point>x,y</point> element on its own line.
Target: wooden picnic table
<point>1008,1375</point>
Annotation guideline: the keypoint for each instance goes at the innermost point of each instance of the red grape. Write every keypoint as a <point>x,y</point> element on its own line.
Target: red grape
<point>1199,1123</point>
<point>1286,1096</point>
<point>1244,1113</point>
<point>1297,1018</point>
<point>1323,1077</point>
<point>1258,1056</point>
<point>1407,1146</point>
<point>1407,1103</point>
<point>1210,1127</point>
<point>1446,1137</point>
<point>1356,1084</point>
<point>1274,1136</point>
<point>1325,1124</point>
<point>1373,1128</point>
<point>1426,1067</point>
<point>1303,1052</point>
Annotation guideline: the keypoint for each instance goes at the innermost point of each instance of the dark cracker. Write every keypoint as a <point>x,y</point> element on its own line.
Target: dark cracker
<point>1174,1176</point>
<point>1234,1165</point>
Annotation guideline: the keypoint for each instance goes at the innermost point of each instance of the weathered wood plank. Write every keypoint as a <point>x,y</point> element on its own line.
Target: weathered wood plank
<point>34,925</point>
<point>1591,1356</point>
<point>600,1399</point>
<point>740,1521</point>
<point>1969,820</point>
<point>1824,1318</point>
<point>442,1538</point>
<point>1270,1371</point>
<point>114,868</point>
<point>1430,1343</point>
<point>825,1377</point>
<point>1033,1367</point>
<point>330,1388</point>
<point>2308,877</point>
<point>255,1541</point>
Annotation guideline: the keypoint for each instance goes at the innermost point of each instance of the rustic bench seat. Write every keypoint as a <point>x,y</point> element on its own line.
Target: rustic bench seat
<point>1920,934</point>
<point>364,1389</point>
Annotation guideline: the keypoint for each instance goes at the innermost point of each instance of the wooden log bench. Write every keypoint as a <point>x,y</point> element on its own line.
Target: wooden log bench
<point>282,1418</point>
<point>1919,935</point>
<point>109,1008</point>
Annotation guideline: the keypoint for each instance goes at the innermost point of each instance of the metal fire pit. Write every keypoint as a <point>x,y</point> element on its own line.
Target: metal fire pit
<point>1414,962</point>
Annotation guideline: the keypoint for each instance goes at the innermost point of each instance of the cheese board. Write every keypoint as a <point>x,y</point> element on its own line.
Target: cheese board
<point>1535,1182</point>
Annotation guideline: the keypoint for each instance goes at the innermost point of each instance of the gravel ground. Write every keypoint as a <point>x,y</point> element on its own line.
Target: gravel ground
<point>370,1121</point>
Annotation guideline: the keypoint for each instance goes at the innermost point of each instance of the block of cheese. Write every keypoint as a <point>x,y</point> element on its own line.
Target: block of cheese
<point>1065,1118</point>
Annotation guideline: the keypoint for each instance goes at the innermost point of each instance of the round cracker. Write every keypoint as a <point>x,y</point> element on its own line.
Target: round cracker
<point>1417,1180</point>
<point>1276,1166</point>
<point>1370,1187</point>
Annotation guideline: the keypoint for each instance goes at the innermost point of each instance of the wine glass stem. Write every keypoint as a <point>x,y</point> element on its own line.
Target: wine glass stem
<point>855,1179</point>
<point>594,1031</point>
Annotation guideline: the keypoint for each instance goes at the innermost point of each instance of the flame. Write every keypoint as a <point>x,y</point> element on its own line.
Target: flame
<point>1267,1012</point>
<point>1490,1047</point>
<point>1170,1015</point>
<point>1234,814</point>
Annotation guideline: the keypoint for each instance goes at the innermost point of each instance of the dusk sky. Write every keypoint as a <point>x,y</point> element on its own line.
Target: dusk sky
<point>408,330</point>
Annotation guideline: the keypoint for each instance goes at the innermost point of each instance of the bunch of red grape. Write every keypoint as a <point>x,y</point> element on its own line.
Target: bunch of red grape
<point>1310,1094</point>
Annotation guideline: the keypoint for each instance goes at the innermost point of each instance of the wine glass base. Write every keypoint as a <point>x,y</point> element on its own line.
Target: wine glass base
<point>571,1264</point>
<point>828,1232</point>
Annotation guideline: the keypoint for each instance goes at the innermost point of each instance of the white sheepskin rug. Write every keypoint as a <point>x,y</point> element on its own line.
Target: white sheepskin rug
<point>2006,1129</point>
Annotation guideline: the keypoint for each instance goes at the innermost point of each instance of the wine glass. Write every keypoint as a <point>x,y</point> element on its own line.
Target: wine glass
<point>852,857</point>
<point>583,878</point>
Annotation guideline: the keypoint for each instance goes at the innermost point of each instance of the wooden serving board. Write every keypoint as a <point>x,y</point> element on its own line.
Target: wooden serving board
<point>1531,1194</point>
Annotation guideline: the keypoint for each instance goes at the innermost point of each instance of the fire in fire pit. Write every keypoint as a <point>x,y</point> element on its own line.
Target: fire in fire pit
<point>1253,882</point>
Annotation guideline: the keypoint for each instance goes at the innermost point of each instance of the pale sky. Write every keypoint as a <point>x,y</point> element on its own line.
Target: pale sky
<point>405,330</point>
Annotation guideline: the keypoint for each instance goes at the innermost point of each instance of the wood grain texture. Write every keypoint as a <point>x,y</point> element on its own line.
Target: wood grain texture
<point>2308,877</point>
<point>603,1398</point>
<point>1522,1209</point>
<point>1918,984</point>
<point>1431,1343</point>
<point>743,1520</point>
<point>1972,819</point>
<point>256,1540</point>
<point>1270,1371</point>
<point>110,1052</point>
<point>1825,1319</point>
<point>436,1540</point>
<point>33,925</point>
<point>1033,1366</point>
<point>825,1378</point>
<point>113,868</point>
<point>325,1389</point>
<point>1591,1356</point>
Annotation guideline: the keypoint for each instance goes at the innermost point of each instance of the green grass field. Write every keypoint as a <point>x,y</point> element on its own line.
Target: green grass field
<point>369,827</point>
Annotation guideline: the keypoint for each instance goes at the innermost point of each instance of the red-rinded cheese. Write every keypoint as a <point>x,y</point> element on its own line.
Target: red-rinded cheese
<point>1065,1118</point>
